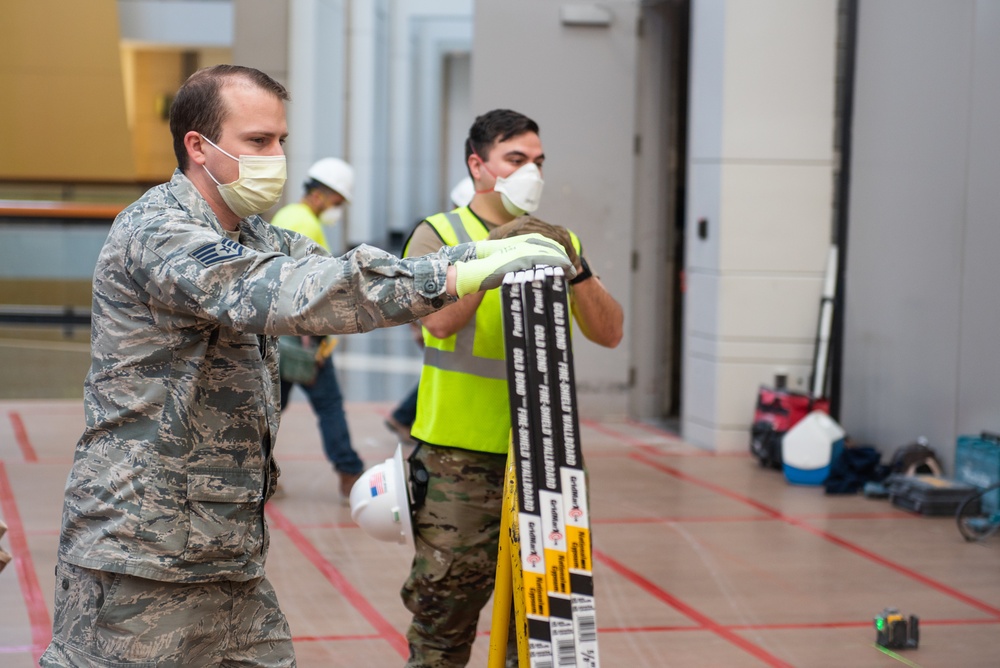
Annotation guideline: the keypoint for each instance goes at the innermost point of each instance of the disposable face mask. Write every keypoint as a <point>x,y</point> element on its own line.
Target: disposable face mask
<point>259,186</point>
<point>521,192</point>
<point>332,216</point>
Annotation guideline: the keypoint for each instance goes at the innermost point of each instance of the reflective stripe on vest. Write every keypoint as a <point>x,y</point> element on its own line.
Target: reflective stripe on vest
<point>462,358</point>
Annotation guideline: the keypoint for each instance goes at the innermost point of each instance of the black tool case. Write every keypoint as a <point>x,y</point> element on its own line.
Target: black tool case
<point>927,494</point>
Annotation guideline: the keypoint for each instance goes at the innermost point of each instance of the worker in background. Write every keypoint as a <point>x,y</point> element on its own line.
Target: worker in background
<point>400,420</point>
<point>328,188</point>
<point>164,535</point>
<point>463,419</point>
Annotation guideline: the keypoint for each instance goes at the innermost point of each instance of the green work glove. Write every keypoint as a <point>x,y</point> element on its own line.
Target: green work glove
<point>494,258</point>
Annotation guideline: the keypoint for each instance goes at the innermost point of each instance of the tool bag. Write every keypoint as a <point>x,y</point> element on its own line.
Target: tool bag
<point>778,410</point>
<point>854,468</point>
<point>916,458</point>
<point>296,362</point>
<point>927,494</point>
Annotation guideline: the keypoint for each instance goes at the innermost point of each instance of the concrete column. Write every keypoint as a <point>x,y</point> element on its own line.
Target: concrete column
<point>367,104</point>
<point>759,216</point>
<point>317,81</point>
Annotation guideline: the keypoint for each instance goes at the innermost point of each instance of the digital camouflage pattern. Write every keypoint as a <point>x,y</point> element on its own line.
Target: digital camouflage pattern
<point>457,534</point>
<point>110,619</point>
<point>171,473</point>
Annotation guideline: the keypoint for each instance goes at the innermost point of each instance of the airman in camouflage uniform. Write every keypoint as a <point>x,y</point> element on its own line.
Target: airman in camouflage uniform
<point>163,543</point>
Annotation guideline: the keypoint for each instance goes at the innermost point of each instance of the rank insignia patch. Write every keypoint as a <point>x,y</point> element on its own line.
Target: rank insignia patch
<point>216,252</point>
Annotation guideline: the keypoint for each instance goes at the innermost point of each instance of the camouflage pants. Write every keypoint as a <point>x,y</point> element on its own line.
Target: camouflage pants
<point>108,619</point>
<point>457,533</point>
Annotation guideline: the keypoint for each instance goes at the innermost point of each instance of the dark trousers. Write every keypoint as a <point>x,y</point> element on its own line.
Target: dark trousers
<point>328,405</point>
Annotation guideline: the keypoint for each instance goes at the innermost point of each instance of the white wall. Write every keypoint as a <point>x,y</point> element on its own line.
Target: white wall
<point>578,83</point>
<point>760,174</point>
<point>922,299</point>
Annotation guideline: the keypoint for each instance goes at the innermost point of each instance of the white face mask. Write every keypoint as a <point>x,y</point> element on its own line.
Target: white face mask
<point>333,215</point>
<point>259,186</point>
<point>521,192</point>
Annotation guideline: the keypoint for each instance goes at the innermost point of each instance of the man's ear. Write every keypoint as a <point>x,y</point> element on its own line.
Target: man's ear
<point>475,165</point>
<point>195,146</point>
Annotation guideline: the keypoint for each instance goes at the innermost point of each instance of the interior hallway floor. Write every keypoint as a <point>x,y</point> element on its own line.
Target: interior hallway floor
<point>700,560</point>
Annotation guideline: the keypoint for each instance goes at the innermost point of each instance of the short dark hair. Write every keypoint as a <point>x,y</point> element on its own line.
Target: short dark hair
<point>199,106</point>
<point>494,126</point>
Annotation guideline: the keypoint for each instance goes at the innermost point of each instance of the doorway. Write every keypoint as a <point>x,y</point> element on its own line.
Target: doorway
<point>658,257</point>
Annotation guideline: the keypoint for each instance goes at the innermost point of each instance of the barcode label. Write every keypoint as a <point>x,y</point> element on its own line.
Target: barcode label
<point>585,622</point>
<point>540,654</point>
<point>564,639</point>
<point>585,617</point>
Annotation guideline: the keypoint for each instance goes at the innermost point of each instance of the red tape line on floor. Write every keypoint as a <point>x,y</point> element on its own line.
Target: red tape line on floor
<point>836,540</point>
<point>702,620</point>
<point>21,436</point>
<point>384,629</point>
<point>34,601</point>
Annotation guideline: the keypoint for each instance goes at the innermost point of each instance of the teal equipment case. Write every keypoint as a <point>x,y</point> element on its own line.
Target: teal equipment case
<point>977,462</point>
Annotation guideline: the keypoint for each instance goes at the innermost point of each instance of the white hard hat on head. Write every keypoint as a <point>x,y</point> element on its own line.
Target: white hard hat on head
<point>463,192</point>
<point>335,174</point>
<point>380,501</point>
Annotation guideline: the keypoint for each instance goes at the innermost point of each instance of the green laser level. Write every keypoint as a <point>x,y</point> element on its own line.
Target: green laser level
<point>894,631</point>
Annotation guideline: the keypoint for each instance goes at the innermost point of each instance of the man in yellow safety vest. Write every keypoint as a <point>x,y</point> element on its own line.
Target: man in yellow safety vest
<point>463,420</point>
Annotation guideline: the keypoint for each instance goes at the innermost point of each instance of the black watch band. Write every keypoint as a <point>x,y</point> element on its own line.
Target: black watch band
<point>583,274</point>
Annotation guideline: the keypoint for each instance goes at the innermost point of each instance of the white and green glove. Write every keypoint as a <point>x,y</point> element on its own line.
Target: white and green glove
<point>494,258</point>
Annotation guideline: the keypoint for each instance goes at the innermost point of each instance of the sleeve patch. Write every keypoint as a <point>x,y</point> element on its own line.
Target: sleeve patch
<point>218,251</point>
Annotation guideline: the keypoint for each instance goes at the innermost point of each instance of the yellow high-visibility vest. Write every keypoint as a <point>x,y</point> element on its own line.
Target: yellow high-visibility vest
<point>463,400</point>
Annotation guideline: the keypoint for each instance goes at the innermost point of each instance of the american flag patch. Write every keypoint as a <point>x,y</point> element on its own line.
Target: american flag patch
<point>377,483</point>
<point>217,251</point>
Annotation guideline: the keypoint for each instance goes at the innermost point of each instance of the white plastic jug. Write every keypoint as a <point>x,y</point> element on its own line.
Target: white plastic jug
<point>807,449</point>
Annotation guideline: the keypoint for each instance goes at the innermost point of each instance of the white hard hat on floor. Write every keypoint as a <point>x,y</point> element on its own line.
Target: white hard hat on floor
<point>335,174</point>
<point>380,501</point>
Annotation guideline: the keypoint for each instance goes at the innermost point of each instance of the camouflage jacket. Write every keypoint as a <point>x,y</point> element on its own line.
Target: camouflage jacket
<point>182,402</point>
